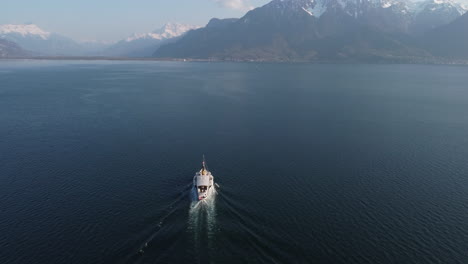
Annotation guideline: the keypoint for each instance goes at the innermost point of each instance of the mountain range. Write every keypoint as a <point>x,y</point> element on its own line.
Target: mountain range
<point>324,30</point>
<point>39,42</point>
<point>283,30</point>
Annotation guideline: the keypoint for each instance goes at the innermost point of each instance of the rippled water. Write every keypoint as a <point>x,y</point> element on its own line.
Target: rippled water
<point>315,163</point>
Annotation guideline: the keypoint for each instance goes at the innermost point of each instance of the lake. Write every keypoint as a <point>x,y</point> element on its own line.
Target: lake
<point>314,163</point>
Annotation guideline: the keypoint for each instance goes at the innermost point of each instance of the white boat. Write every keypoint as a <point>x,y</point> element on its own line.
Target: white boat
<point>203,183</point>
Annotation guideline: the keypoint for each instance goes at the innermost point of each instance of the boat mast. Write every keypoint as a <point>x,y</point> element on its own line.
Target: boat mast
<point>204,163</point>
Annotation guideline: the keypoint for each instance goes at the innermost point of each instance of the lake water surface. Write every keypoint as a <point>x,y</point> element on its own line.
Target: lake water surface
<point>315,163</point>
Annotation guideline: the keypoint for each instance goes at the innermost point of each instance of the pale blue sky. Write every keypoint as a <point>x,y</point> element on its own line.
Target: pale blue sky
<point>111,20</point>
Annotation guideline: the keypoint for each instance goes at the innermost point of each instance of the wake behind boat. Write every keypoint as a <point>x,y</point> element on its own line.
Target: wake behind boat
<point>203,183</point>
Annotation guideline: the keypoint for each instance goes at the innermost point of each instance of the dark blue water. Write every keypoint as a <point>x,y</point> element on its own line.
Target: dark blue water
<point>315,163</point>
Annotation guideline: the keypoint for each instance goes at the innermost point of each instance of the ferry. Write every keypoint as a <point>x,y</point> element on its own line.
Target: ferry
<point>203,183</point>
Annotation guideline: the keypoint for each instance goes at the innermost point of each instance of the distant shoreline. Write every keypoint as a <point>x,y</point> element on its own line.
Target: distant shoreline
<point>420,61</point>
<point>95,58</point>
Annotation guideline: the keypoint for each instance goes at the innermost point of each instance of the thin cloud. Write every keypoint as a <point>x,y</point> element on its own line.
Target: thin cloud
<point>243,5</point>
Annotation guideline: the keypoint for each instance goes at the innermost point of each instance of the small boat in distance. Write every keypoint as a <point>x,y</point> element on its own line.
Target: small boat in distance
<point>203,183</point>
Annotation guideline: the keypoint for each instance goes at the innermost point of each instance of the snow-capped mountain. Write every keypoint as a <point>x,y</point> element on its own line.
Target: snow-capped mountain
<point>440,6</point>
<point>141,45</point>
<point>430,14</point>
<point>28,30</point>
<point>304,30</point>
<point>384,15</point>
<point>40,42</point>
<point>315,30</point>
<point>354,8</point>
<point>169,30</point>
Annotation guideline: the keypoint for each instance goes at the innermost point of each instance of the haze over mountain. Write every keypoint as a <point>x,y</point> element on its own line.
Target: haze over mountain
<point>43,43</point>
<point>11,49</point>
<point>319,30</point>
<point>450,40</point>
<point>144,45</point>
<point>39,41</point>
<point>430,14</point>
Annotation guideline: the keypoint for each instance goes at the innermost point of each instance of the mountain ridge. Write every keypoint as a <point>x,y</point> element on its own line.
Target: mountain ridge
<point>298,30</point>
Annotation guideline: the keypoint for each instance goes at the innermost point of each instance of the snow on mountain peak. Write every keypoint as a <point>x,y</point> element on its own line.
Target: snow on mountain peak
<point>317,10</point>
<point>312,7</point>
<point>169,30</point>
<point>24,30</point>
<point>354,8</point>
<point>440,5</point>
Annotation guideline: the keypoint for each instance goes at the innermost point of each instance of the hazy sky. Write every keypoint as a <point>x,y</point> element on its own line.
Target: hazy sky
<point>110,20</point>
